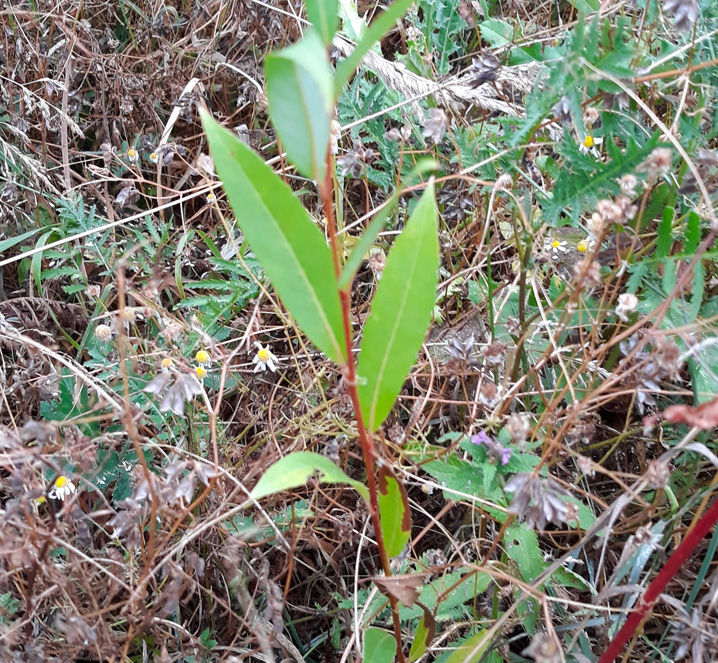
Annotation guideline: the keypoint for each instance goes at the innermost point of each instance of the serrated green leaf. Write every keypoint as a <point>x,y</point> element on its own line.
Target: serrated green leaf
<point>299,91</point>
<point>324,17</point>
<point>290,248</point>
<point>381,25</point>
<point>400,313</point>
<point>394,511</point>
<point>521,544</point>
<point>294,471</point>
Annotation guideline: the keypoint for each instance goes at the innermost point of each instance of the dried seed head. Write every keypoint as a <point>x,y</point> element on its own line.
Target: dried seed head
<point>435,125</point>
<point>495,354</point>
<point>544,648</point>
<point>518,427</point>
<point>504,183</point>
<point>596,225</point>
<point>103,332</point>
<point>609,211</point>
<point>628,184</point>
<point>627,304</point>
<point>489,395</point>
<point>590,116</point>
<point>658,163</point>
<point>628,209</point>
<point>585,464</point>
<point>658,474</point>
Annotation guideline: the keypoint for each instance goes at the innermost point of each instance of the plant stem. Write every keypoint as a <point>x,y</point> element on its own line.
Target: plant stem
<point>350,377</point>
<point>673,565</point>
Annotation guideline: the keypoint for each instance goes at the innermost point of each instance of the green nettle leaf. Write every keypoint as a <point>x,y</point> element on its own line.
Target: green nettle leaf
<point>290,248</point>
<point>394,511</point>
<point>400,313</point>
<point>379,646</point>
<point>299,90</point>
<point>294,470</point>
<point>324,17</point>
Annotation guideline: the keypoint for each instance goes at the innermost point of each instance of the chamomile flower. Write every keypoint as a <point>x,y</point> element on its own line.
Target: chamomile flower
<point>557,248</point>
<point>211,198</point>
<point>200,372</point>
<point>264,359</point>
<point>582,246</point>
<point>133,155</point>
<point>166,363</point>
<point>154,157</point>
<point>590,144</point>
<point>202,356</point>
<point>62,488</point>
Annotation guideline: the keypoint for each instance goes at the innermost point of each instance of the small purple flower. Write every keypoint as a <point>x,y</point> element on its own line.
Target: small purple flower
<point>505,456</point>
<point>482,438</point>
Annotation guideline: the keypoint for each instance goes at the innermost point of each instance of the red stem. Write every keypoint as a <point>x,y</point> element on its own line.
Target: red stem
<point>673,565</point>
<point>367,443</point>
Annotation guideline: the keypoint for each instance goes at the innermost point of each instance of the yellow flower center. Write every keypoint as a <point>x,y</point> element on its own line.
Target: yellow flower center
<point>588,142</point>
<point>166,363</point>
<point>582,246</point>
<point>154,157</point>
<point>60,482</point>
<point>200,371</point>
<point>202,356</point>
<point>132,154</point>
<point>263,355</point>
<point>40,500</point>
<point>555,244</point>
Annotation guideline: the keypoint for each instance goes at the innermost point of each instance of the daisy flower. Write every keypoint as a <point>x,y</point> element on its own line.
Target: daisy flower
<point>582,246</point>
<point>264,359</point>
<point>211,198</point>
<point>589,144</point>
<point>132,155</point>
<point>62,488</point>
<point>558,247</point>
<point>200,372</point>
<point>154,157</point>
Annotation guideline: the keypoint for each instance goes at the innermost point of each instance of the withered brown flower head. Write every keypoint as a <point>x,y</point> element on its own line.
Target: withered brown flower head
<point>684,12</point>
<point>435,125</point>
<point>354,161</point>
<point>539,501</point>
<point>484,69</point>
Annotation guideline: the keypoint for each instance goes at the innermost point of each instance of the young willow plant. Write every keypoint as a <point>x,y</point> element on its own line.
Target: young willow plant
<point>308,274</point>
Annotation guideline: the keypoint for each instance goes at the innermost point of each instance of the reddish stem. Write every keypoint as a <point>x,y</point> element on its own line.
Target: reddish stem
<point>673,565</point>
<point>367,443</point>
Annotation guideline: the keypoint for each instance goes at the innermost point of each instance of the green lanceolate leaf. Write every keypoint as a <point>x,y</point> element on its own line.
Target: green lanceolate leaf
<point>400,313</point>
<point>324,17</point>
<point>394,512</point>
<point>379,646</point>
<point>290,248</point>
<point>294,470</point>
<point>299,90</point>
<point>425,632</point>
<point>376,31</point>
<point>472,650</point>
